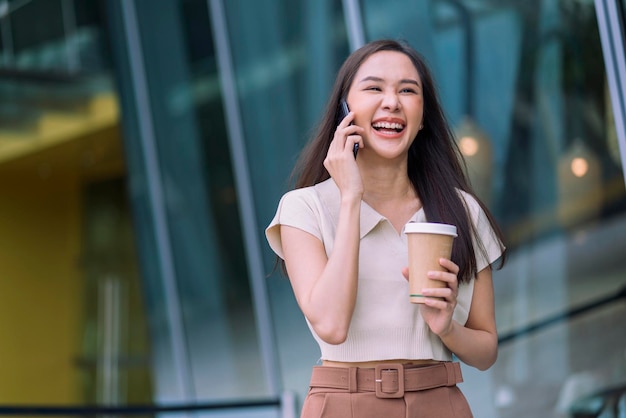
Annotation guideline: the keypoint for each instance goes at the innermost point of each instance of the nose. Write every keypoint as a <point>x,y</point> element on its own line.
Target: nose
<point>390,101</point>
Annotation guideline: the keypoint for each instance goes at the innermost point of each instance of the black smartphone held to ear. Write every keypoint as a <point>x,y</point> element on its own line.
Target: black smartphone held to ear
<point>343,112</point>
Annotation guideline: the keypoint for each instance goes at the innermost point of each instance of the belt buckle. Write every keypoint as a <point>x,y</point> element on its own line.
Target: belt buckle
<point>378,380</point>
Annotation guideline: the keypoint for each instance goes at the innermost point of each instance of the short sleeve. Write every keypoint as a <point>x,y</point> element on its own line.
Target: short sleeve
<point>299,209</point>
<point>487,245</point>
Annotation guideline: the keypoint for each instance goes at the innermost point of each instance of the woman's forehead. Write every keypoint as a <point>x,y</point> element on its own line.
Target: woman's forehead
<point>387,66</point>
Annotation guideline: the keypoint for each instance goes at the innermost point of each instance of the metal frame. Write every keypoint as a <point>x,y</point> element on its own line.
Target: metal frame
<point>247,211</point>
<point>154,181</point>
<point>611,29</point>
<point>354,24</point>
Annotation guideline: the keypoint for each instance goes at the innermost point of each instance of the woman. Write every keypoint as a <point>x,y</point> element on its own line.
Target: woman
<point>340,236</point>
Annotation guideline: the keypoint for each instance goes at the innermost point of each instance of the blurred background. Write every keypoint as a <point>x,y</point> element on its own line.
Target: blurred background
<point>144,145</point>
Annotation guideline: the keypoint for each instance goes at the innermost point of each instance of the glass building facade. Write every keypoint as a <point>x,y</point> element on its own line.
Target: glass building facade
<point>144,145</point>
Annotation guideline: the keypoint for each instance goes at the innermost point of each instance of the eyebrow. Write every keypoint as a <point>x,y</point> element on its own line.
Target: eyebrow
<point>403,81</point>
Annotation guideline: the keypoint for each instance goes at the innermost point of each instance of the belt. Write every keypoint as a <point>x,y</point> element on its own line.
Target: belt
<point>388,380</point>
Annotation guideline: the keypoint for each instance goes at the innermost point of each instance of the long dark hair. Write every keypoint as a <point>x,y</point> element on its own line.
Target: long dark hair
<point>435,164</point>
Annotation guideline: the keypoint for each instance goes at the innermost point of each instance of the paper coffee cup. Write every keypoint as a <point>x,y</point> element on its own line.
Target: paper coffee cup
<point>428,242</point>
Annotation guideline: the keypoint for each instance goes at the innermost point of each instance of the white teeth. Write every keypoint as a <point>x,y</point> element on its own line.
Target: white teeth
<point>388,125</point>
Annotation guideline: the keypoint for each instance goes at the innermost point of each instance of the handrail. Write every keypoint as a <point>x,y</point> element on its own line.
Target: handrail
<point>92,410</point>
<point>569,314</point>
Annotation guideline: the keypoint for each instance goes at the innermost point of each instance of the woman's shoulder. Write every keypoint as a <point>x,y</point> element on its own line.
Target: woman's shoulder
<point>301,193</point>
<point>311,195</point>
<point>319,190</point>
<point>470,201</point>
<point>490,244</point>
<point>475,210</point>
<point>301,208</point>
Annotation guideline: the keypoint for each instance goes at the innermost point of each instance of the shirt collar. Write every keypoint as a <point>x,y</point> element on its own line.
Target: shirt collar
<point>331,199</point>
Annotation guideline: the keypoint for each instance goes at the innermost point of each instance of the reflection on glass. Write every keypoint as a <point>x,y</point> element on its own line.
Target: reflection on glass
<point>115,347</point>
<point>579,167</point>
<point>476,148</point>
<point>580,185</point>
<point>284,72</point>
<point>469,146</point>
<point>208,243</point>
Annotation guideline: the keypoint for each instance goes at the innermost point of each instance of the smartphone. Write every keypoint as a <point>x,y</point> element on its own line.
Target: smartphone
<point>343,112</point>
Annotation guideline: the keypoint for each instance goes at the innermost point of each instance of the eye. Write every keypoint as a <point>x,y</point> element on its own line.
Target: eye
<point>409,90</point>
<point>373,88</point>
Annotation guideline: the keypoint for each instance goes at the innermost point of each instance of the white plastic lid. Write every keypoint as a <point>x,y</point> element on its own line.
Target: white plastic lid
<point>430,228</point>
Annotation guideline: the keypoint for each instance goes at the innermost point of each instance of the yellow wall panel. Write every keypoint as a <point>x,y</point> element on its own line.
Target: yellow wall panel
<point>40,288</point>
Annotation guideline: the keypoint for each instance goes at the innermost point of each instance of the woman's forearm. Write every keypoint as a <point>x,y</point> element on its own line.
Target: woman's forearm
<point>477,348</point>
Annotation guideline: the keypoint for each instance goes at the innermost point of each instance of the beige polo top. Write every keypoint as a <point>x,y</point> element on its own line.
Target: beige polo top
<point>385,325</point>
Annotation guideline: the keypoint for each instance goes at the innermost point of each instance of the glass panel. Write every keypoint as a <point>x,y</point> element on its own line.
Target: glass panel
<point>219,357</point>
<point>284,71</point>
<point>523,83</point>
<point>220,316</point>
<point>71,309</point>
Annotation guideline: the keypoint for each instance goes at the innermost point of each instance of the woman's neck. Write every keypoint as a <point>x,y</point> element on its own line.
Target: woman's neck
<point>387,184</point>
<point>390,193</point>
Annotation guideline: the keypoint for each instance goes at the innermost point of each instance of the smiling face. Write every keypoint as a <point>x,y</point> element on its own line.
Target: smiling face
<point>386,98</point>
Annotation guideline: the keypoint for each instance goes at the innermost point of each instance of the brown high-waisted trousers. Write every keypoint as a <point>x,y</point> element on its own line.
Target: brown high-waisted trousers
<point>388,391</point>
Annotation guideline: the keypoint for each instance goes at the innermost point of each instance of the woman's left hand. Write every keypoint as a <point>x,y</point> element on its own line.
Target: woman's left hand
<point>439,303</point>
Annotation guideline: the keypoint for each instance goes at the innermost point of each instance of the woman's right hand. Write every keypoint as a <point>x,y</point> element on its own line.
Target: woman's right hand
<point>340,161</point>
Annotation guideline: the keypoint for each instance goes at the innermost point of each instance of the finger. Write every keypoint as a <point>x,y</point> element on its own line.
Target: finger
<point>347,120</point>
<point>449,278</point>
<point>449,265</point>
<point>438,292</point>
<point>445,294</point>
<point>436,303</point>
<point>339,140</point>
<point>351,140</point>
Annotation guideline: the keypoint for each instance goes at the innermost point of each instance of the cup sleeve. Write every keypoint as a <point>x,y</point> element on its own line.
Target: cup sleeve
<point>296,209</point>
